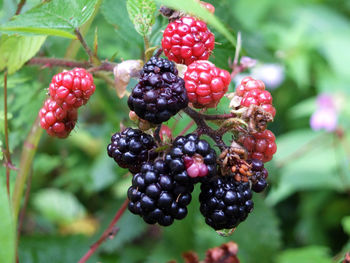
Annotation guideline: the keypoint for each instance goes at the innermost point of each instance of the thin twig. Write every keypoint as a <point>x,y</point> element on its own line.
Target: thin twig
<point>203,128</point>
<point>20,6</point>
<point>189,126</point>
<point>106,233</point>
<point>85,45</point>
<point>57,62</point>
<point>7,151</point>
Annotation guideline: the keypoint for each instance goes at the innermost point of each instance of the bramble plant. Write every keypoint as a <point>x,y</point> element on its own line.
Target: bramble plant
<point>197,127</point>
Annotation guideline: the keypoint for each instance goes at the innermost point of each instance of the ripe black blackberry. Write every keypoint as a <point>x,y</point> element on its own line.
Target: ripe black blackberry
<point>159,95</point>
<point>158,65</point>
<point>157,196</point>
<point>130,148</point>
<point>192,158</point>
<point>259,175</point>
<point>224,202</point>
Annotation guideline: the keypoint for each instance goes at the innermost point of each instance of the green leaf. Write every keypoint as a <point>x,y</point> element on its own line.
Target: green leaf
<point>55,18</point>
<point>58,206</point>
<point>56,249</point>
<point>141,13</point>
<point>305,165</point>
<point>305,255</point>
<point>7,229</point>
<point>193,7</point>
<point>17,50</point>
<point>346,224</point>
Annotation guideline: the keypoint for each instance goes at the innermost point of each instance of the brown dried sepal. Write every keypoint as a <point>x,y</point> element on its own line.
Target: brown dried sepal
<point>233,163</point>
<point>226,253</point>
<point>171,14</point>
<point>257,118</point>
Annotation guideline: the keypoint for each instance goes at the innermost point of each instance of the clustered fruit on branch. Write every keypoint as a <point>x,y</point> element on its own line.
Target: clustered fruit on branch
<point>164,169</point>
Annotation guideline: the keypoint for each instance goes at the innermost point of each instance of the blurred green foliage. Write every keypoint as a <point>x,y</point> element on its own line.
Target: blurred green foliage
<point>76,189</point>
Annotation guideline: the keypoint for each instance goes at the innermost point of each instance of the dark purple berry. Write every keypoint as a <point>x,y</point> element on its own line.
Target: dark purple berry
<point>224,202</point>
<point>131,148</point>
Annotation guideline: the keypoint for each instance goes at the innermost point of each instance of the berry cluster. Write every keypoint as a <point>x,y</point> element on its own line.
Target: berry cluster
<point>68,91</point>
<point>165,170</point>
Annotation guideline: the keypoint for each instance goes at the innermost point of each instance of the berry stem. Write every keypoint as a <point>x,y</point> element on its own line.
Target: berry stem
<point>92,57</point>
<point>109,232</point>
<point>203,128</point>
<point>159,52</point>
<point>156,133</point>
<point>7,151</point>
<point>20,6</point>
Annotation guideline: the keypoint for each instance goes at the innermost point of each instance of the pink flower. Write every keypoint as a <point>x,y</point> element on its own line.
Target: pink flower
<point>325,117</point>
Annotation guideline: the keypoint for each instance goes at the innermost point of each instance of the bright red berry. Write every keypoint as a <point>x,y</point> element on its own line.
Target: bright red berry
<point>186,40</point>
<point>260,145</point>
<point>206,84</point>
<point>56,120</point>
<point>248,84</point>
<point>72,87</point>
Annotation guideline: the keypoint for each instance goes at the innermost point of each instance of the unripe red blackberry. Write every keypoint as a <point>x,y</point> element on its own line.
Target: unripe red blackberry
<point>157,196</point>
<point>186,40</point>
<point>191,158</point>
<point>253,93</point>
<point>248,84</point>
<point>260,98</point>
<point>224,202</point>
<point>56,120</point>
<point>131,148</point>
<point>206,84</point>
<point>73,87</point>
<point>260,145</point>
<point>158,96</point>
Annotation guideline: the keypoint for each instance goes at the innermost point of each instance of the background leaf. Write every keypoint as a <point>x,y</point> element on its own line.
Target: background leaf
<point>142,13</point>
<point>17,50</point>
<point>56,18</point>
<point>305,255</point>
<point>58,206</point>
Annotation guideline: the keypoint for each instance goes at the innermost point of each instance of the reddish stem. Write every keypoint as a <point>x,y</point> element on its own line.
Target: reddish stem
<point>187,128</point>
<point>57,62</point>
<point>20,6</point>
<point>106,233</point>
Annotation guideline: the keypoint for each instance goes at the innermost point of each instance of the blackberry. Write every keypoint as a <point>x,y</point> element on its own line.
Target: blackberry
<point>158,96</point>
<point>192,158</point>
<point>131,148</point>
<point>259,175</point>
<point>157,196</point>
<point>224,202</point>
<point>158,65</point>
